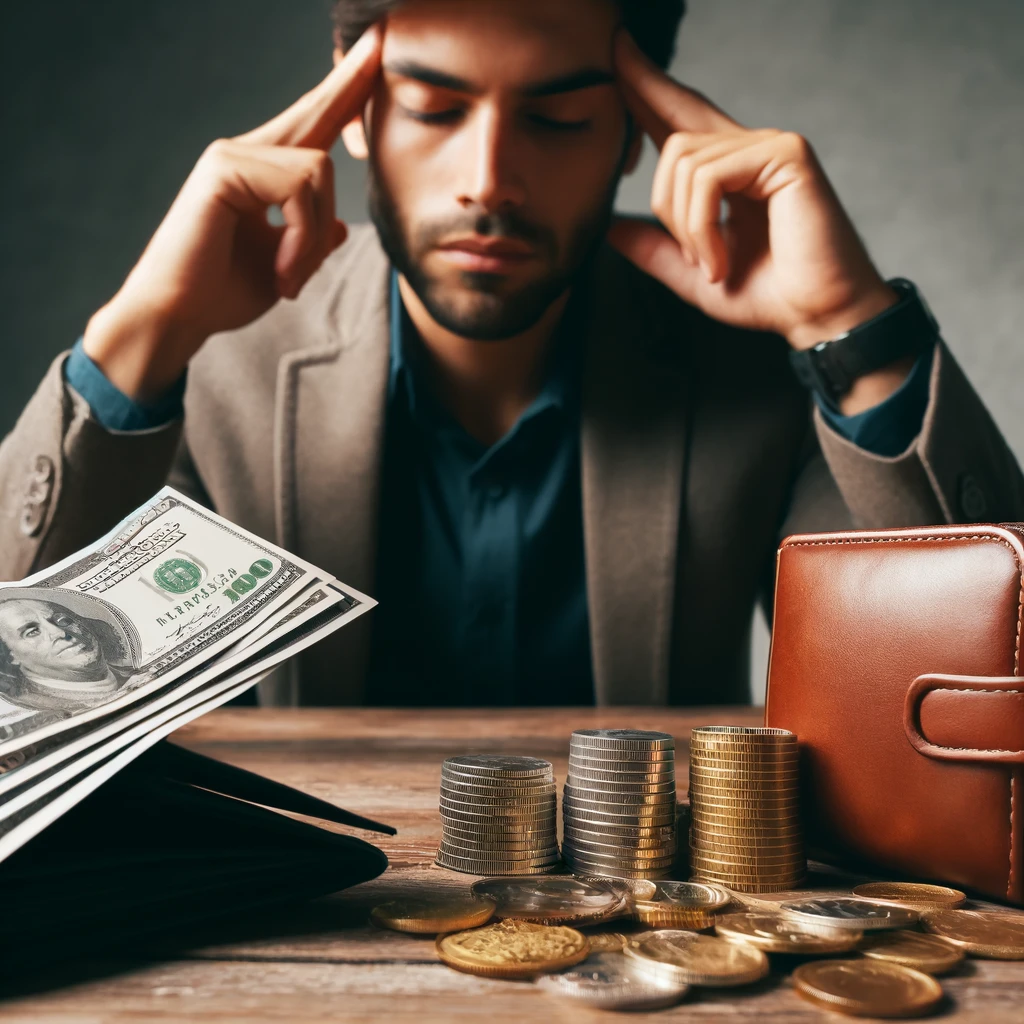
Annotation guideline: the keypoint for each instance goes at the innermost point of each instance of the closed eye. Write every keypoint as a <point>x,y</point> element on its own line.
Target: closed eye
<point>441,117</point>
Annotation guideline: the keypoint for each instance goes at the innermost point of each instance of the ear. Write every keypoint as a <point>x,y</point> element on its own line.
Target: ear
<point>352,134</point>
<point>634,149</point>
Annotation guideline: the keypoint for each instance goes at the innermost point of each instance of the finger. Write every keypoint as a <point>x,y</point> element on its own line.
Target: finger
<point>657,253</point>
<point>663,188</point>
<point>315,120</point>
<point>754,171</point>
<point>660,104</point>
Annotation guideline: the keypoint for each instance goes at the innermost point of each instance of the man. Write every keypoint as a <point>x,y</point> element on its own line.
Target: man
<point>52,658</point>
<point>560,449</point>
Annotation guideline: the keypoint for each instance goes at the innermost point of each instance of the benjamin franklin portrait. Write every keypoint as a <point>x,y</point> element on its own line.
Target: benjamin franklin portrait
<point>61,651</point>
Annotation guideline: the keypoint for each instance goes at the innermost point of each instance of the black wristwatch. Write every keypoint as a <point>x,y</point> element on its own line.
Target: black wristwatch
<point>905,329</point>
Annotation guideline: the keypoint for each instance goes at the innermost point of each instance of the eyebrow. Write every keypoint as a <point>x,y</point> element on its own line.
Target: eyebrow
<point>585,78</point>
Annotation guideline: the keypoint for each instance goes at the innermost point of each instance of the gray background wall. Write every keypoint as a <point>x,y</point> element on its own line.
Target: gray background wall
<point>916,108</point>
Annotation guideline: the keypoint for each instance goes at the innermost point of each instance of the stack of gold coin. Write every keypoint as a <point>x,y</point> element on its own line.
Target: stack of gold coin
<point>744,806</point>
<point>619,803</point>
<point>498,815</point>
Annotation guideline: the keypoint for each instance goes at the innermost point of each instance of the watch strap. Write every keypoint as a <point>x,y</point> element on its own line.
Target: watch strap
<point>906,328</point>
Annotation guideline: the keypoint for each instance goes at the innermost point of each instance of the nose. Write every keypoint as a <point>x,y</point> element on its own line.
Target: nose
<point>492,181</point>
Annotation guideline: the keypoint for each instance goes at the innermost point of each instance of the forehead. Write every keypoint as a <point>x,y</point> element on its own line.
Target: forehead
<point>19,611</point>
<point>503,42</point>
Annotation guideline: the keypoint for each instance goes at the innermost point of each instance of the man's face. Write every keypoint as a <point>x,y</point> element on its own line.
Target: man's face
<point>47,641</point>
<point>496,140</point>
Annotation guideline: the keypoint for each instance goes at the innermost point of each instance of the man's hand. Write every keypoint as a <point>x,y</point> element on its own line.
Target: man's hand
<point>786,258</point>
<point>215,262</point>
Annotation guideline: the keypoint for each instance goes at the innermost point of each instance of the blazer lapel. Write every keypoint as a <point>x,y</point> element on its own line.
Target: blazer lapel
<point>329,434</point>
<point>634,430</point>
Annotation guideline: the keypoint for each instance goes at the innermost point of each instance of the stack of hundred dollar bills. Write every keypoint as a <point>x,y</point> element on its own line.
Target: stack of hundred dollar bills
<point>173,613</point>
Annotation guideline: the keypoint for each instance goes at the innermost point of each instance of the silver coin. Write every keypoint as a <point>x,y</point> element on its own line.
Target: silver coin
<point>574,814</point>
<point>510,765</point>
<point>532,822</point>
<point>600,788</point>
<point>554,898</point>
<point>457,801</point>
<point>609,981</point>
<point>485,788</point>
<point>693,894</point>
<point>621,753</point>
<point>626,842</point>
<point>582,793</point>
<point>660,769</point>
<point>623,737</point>
<point>662,849</point>
<point>848,912</point>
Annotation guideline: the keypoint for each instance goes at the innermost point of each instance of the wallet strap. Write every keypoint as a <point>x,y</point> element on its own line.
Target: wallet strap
<point>966,718</point>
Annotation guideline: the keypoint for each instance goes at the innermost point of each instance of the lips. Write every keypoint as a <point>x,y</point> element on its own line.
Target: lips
<point>492,255</point>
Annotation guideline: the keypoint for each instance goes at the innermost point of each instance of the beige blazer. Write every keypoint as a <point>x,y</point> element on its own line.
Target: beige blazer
<point>699,452</point>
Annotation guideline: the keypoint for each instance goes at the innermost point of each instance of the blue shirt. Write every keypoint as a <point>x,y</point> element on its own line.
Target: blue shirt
<point>481,573</point>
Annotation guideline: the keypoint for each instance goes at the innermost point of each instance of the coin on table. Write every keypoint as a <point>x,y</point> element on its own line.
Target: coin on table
<point>607,942</point>
<point>503,765</point>
<point>847,912</point>
<point>555,900</point>
<point>697,959</point>
<point>658,914</point>
<point>867,988</point>
<point>609,981</point>
<point>433,915</point>
<point>926,953</point>
<point>696,895</point>
<point>638,888</point>
<point>912,894</point>
<point>775,934</point>
<point>513,949</point>
<point>990,934</point>
<point>632,739</point>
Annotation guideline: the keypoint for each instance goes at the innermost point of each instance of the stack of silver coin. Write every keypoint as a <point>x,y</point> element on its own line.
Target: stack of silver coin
<point>498,815</point>
<point>619,803</point>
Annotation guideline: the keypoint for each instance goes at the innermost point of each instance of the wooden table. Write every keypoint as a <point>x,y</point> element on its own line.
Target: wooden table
<point>321,961</point>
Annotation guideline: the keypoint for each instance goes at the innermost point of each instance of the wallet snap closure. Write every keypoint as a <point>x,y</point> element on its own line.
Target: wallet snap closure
<point>966,718</point>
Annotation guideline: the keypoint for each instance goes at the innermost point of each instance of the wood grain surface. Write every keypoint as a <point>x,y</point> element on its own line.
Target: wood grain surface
<point>323,961</point>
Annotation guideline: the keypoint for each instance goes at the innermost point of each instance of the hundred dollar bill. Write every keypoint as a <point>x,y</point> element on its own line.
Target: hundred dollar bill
<point>28,809</point>
<point>171,588</point>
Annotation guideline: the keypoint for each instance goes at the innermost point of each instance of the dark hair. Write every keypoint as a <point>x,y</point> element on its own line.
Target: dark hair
<point>652,23</point>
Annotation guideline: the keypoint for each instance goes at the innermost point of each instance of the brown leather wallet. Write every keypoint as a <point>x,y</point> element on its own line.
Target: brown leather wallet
<point>896,659</point>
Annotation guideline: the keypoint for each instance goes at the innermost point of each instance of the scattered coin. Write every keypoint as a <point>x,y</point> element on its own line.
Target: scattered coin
<point>556,900</point>
<point>847,912</point>
<point>610,982</point>
<point>775,934</point>
<point>912,894</point>
<point>867,988</point>
<point>607,942</point>
<point>926,953</point>
<point>513,949</point>
<point>990,934</point>
<point>433,915</point>
<point>695,959</point>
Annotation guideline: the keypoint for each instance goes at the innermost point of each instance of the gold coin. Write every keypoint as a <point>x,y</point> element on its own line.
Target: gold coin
<point>786,754</point>
<point>607,942</point>
<point>742,861</point>
<point>912,894</point>
<point>774,934</point>
<point>990,934</point>
<point>761,733</point>
<point>699,765</point>
<point>660,914</point>
<point>867,988</point>
<point>513,949</point>
<point>745,847</point>
<point>769,790</point>
<point>430,916</point>
<point>926,953</point>
<point>697,959</point>
<point>739,833</point>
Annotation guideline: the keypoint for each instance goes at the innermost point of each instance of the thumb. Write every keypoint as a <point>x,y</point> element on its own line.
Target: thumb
<point>651,248</point>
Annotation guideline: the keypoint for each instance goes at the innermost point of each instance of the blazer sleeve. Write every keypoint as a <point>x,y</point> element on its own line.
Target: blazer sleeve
<point>65,480</point>
<point>958,469</point>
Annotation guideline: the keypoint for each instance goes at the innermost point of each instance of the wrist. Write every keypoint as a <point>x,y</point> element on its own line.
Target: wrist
<point>867,305</point>
<point>140,352</point>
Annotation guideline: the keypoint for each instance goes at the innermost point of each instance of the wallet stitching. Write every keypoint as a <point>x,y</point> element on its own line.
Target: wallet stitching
<point>1016,649</point>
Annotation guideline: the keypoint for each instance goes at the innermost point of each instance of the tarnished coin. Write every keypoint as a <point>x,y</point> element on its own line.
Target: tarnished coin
<point>847,912</point>
<point>555,900</point>
<point>433,915</point>
<point>991,934</point>
<point>513,949</point>
<point>505,765</point>
<point>775,934</point>
<point>636,739</point>
<point>609,981</point>
<point>911,894</point>
<point>867,988</point>
<point>695,959</point>
<point>926,953</point>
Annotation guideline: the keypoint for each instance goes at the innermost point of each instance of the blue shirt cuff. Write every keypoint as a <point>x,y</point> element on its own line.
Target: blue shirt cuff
<point>111,407</point>
<point>888,428</point>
